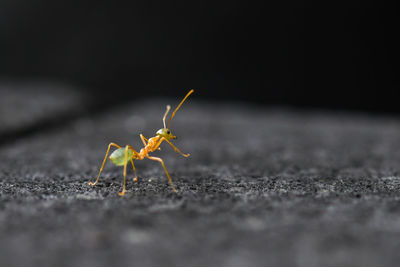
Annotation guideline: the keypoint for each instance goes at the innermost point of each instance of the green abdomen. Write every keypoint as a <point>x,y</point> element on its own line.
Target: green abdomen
<point>118,156</point>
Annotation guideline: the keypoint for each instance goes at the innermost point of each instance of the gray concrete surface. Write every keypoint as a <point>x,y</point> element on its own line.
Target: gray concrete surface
<point>263,187</point>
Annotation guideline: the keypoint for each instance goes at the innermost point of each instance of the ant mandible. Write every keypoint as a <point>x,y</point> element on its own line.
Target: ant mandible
<point>122,156</point>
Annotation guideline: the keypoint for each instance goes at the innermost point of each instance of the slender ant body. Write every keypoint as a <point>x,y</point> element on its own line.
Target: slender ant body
<point>123,155</point>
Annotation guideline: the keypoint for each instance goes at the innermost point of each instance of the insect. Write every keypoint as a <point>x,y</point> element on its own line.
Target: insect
<point>123,155</point>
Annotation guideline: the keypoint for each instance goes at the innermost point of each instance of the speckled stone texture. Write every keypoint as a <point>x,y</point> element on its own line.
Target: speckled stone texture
<point>263,187</point>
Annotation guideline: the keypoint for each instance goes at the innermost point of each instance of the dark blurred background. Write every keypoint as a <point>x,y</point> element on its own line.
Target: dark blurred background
<point>292,53</point>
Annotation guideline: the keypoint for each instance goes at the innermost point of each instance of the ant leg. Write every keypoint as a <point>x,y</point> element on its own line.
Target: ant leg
<point>176,149</point>
<point>165,169</point>
<point>104,162</point>
<point>135,179</point>
<point>144,139</point>
<point>134,151</point>
<point>125,163</point>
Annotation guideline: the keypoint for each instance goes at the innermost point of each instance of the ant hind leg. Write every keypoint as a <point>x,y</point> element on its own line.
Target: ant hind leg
<point>104,162</point>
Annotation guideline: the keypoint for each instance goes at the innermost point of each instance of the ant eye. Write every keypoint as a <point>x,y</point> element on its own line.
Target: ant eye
<point>168,132</point>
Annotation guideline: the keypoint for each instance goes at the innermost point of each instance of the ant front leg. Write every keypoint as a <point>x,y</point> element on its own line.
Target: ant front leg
<point>144,139</point>
<point>165,169</point>
<point>176,149</point>
<point>104,162</point>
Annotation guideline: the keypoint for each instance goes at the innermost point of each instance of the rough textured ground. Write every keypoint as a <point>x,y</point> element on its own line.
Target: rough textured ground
<point>262,188</point>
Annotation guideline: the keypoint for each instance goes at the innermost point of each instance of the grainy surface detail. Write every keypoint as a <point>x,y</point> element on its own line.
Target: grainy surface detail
<point>262,188</point>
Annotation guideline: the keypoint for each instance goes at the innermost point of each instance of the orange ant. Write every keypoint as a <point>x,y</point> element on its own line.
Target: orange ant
<point>121,156</point>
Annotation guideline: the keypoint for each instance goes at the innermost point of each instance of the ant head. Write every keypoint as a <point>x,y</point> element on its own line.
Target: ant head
<point>166,133</point>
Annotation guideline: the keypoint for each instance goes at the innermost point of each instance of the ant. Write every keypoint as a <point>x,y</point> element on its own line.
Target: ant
<point>122,156</point>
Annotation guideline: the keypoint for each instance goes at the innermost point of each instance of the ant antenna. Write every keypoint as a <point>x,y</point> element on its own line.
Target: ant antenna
<point>180,104</point>
<point>165,115</point>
